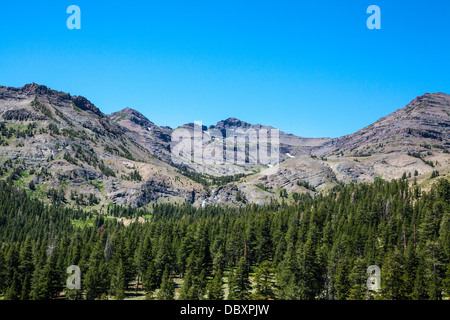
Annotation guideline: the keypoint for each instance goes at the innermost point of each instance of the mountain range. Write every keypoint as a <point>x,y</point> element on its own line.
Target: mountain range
<point>64,149</point>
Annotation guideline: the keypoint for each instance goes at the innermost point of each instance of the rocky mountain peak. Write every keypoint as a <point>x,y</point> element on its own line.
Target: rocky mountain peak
<point>425,120</point>
<point>431,97</point>
<point>132,115</point>
<point>84,104</point>
<point>34,88</point>
<point>140,129</point>
<point>231,123</point>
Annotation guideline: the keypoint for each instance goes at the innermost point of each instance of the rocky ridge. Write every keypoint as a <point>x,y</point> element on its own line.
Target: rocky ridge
<point>65,148</point>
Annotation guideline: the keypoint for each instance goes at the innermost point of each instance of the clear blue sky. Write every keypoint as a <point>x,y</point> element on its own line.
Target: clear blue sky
<point>311,68</point>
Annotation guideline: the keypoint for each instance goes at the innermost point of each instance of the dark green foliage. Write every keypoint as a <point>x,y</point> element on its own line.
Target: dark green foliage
<point>317,248</point>
<point>240,197</point>
<point>421,157</point>
<point>31,186</point>
<point>133,176</point>
<point>167,290</point>
<point>56,196</point>
<point>62,116</point>
<point>11,132</point>
<point>215,288</point>
<point>434,174</point>
<point>307,185</point>
<point>209,180</point>
<point>86,155</point>
<point>121,152</point>
<point>126,153</point>
<point>39,106</point>
<point>53,129</point>
<point>240,286</point>
<point>118,283</point>
<point>70,159</point>
<point>106,170</point>
<point>264,282</point>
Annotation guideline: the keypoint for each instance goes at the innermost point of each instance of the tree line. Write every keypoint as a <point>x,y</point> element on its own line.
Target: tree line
<point>318,248</point>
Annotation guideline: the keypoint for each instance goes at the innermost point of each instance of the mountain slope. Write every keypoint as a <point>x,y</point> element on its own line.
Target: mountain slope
<point>69,150</point>
<point>289,143</point>
<point>412,140</point>
<point>424,121</point>
<point>143,131</point>
<point>66,150</point>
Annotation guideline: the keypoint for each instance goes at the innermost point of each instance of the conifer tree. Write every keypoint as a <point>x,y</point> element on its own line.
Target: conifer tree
<point>215,289</point>
<point>391,279</point>
<point>118,282</point>
<point>149,280</point>
<point>167,290</point>
<point>241,286</point>
<point>264,280</point>
<point>358,280</point>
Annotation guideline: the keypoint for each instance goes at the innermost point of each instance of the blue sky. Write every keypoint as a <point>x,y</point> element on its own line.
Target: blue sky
<point>311,68</point>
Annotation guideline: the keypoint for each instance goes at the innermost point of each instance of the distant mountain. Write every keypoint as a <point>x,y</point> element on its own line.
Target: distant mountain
<point>65,149</point>
<point>424,121</point>
<point>232,123</point>
<point>143,131</point>
<point>290,144</point>
<point>413,140</point>
<point>65,143</point>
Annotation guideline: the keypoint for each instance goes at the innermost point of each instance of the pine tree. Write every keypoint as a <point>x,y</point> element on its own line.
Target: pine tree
<point>241,286</point>
<point>264,239</point>
<point>419,290</point>
<point>189,289</point>
<point>12,278</point>
<point>150,280</point>
<point>26,267</point>
<point>264,280</point>
<point>341,280</point>
<point>167,290</point>
<point>13,291</point>
<point>96,279</point>
<point>215,288</point>
<point>391,279</point>
<point>310,280</point>
<point>118,282</point>
<point>410,270</point>
<point>446,282</point>
<point>231,285</point>
<point>358,280</point>
<point>48,282</point>
<point>319,247</point>
<point>2,273</point>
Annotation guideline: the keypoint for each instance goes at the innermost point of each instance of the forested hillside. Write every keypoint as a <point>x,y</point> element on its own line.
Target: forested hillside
<point>317,248</point>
